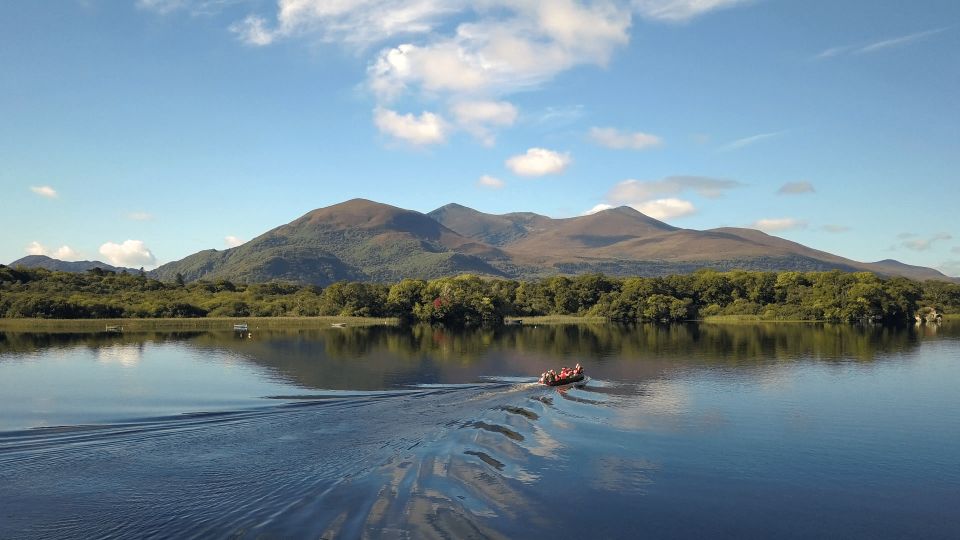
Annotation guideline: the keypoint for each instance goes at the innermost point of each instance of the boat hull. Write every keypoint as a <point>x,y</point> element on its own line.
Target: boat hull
<point>568,380</point>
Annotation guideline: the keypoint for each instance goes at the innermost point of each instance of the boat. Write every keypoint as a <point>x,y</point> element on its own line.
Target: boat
<point>569,380</point>
<point>339,325</point>
<point>241,327</point>
<point>550,378</point>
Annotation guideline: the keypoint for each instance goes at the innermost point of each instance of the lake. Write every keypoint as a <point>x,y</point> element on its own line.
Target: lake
<point>709,430</point>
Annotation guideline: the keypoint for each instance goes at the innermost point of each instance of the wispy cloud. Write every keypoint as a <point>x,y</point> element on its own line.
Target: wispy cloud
<point>194,7</point>
<point>878,45</point>
<point>950,268</point>
<point>955,249</point>
<point>619,140</point>
<point>795,188</point>
<point>635,191</point>
<point>922,244</point>
<point>747,141</point>
<point>481,117</point>
<point>555,117</point>
<point>897,41</point>
<point>44,191</point>
<point>661,199</point>
<point>140,216</point>
<point>490,182</point>
<point>835,229</point>
<point>681,10</point>
<point>778,224</point>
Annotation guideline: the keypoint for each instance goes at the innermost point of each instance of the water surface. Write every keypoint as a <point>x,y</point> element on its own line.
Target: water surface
<point>793,431</point>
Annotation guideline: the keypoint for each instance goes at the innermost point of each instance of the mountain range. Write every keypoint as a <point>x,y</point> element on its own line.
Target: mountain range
<point>42,261</point>
<point>362,240</point>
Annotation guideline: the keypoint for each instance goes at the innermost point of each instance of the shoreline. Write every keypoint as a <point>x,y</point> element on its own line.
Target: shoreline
<point>188,324</point>
<point>278,323</point>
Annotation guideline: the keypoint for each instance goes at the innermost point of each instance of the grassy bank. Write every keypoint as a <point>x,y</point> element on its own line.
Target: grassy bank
<point>207,323</point>
<point>750,319</point>
<point>556,319</point>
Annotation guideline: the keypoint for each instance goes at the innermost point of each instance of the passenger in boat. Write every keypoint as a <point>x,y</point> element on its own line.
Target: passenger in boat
<point>578,370</point>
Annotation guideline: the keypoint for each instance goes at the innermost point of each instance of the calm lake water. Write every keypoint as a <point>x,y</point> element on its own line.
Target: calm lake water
<point>736,431</point>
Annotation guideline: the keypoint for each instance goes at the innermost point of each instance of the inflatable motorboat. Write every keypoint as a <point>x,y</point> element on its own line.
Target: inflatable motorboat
<point>566,376</point>
<point>560,382</point>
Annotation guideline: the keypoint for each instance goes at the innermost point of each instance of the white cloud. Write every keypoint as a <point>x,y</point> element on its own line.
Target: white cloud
<point>633,192</point>
<point>539,162</point>
<point>518,46</point>
<point>680,10</point>
<point>666,208</point>
<point>140,216</point>
<point>44,191</point>
<point>461,50</point>
<point>491,182</point>
<point>923,244</point>
<point>233,241</point>
<point>747,141</point>
<point>778,224</point>
<point>878,45</point>
<point>63,253</point>
<point>428,128</point>
<point>614,138</point>
<point>131,253</point>
<point>480,117</point>
<point>598,208</point>
<point>795,188</point>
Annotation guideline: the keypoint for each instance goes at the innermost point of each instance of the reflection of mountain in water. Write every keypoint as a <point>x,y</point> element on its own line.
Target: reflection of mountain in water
<point>389,357</point>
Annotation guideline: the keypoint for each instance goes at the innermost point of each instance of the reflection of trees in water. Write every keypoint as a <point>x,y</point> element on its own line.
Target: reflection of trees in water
<point>377,357</point>
<point>25,342</point>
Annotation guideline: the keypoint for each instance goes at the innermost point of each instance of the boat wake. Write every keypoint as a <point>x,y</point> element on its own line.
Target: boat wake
<point>444,461</point>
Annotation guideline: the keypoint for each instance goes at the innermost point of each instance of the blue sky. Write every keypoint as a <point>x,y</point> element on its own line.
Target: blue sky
<point>141,132</point>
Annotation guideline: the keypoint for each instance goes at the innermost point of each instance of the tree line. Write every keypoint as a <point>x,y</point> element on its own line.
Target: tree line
<point>472,300</point>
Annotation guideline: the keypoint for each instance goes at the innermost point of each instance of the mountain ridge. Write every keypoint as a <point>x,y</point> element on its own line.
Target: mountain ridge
<point>43,261</point>
<point>364,240</point>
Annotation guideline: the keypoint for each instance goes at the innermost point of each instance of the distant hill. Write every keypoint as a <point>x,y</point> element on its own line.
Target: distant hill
<point>42,261</point>
<point>362,240</point>
<point>358,240</point>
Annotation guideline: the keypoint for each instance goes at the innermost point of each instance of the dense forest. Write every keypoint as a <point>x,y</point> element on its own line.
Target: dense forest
<point>468,299</point>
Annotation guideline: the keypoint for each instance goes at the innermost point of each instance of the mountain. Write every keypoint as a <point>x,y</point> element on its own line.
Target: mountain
<point>623,241</point>
<point>42,261</point>
<point>358,240</point>
<point>362,240</point>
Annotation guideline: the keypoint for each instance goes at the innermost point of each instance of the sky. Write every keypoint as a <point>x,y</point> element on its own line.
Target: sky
<point>140,132</point>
